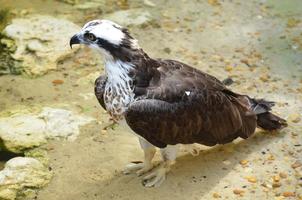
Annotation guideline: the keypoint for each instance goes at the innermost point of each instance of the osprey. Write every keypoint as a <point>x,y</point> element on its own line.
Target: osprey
<point>166,102</point>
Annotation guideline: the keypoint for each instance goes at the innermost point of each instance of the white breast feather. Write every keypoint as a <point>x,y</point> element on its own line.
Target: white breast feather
<point>118,91</point>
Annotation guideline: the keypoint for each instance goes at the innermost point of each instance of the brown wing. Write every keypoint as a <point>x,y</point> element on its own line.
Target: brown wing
<point>99,88</point>
<point>188,106</point>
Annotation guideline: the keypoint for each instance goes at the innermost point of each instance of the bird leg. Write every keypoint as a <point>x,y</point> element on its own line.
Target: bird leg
<point>141,168</point>
<point>158,176</point>
<point>147,165</point>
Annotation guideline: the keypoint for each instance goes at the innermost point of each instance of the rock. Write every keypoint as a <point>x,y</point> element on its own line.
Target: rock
<point>37,43</point>
<point>296,164</point>
<point>216,195</point>
<point>283,175</point>
<point>25,131</point>
<point>264,77</point>
<point>243,162</point>
<point>149,3</point>
<point>22,176</point>
<point>22,132</point>
<point>228,68</point>
<point>131,17</point>
<point>288,194</point>
<point>251,179</point>
<point>238,192</point>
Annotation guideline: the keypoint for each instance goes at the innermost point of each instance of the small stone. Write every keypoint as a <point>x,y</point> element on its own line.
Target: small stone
<point>226,162</point>
<point>292,22</point>
<point>296,164</point>
<point>213,2</point>
<point>288,194</point>
<point>271,157</point>
<point>264,77</point>
<point>244,162</point>
<point>276,178</point>
<point>228,68</point>
<point>57,82</point>
<point>245,61</point>
<point>167,50</point>
<point>276,184</point>
<point>294,117</point>
<point>216,195</point>
<point>266,185</point>
<point>149,3</point>
<point>283,175</point>
<point>251,179</point>
<point>238,192</point>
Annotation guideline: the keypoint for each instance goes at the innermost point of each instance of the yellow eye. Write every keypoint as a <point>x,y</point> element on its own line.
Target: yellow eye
<point>90,36</point>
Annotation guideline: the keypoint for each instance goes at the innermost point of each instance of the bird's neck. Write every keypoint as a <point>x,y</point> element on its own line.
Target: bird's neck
<point>118,71</point>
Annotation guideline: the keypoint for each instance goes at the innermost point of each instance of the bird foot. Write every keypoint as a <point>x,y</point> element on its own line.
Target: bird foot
<point>138,168</point>
<point>155,178</point>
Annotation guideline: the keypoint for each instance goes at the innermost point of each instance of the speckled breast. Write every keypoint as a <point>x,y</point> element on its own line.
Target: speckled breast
<point>117,99</point>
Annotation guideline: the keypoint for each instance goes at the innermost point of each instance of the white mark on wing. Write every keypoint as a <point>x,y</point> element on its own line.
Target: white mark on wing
<point>187,93</point>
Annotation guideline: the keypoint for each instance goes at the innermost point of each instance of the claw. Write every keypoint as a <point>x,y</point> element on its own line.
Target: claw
<point>156,178</point>
<point>138,168</point>
<point>132,167</point>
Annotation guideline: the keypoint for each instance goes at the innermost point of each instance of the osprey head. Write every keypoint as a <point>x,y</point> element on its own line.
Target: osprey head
<point>105,36</point>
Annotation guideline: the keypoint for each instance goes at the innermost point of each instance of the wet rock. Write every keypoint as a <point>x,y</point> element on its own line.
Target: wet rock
<point>25,131</point>
<point>37,43</point>
<point>132,17</point>
<point>21,176</point>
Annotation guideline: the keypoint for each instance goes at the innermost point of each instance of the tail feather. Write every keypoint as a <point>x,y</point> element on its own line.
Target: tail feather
<point>265,119</point>
<point>270,122</point>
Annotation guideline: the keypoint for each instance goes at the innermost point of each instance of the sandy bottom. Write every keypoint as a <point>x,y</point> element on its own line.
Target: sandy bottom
<point>257,44</point>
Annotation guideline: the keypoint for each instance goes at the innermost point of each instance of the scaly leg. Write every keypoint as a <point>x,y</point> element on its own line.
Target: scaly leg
<point>147,165</point>
<point>157,177</point>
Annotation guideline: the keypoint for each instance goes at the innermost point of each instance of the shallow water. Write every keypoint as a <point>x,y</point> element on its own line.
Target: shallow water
<point>206,35</point>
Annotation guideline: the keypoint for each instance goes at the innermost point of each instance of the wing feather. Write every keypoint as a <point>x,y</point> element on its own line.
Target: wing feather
<point>99,89</point>
<point>188,106</point>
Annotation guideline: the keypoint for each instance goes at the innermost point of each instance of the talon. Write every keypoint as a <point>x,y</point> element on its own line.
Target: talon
<point>138,168</point>
<point>132,167</point>
<point>156,178</point>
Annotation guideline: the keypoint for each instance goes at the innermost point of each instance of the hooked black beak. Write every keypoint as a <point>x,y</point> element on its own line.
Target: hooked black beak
<point>74,40</point>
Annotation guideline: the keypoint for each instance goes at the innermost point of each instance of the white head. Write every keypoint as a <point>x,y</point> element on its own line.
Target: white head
<point>105,36</point>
